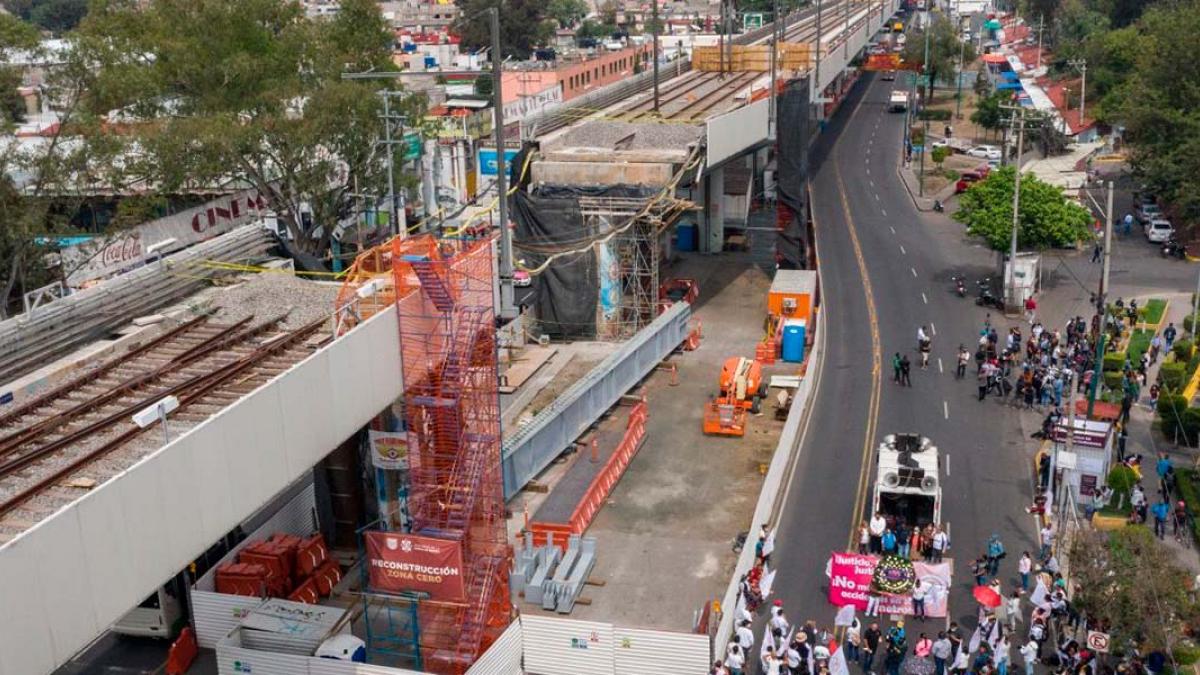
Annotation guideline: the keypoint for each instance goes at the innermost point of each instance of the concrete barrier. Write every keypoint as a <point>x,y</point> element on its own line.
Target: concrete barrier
<point>782,462</point>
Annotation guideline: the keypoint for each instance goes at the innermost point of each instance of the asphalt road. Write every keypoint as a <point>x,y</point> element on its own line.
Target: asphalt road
<point>862,209</point>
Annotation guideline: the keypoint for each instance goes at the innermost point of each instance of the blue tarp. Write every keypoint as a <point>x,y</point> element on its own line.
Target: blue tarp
<point>1009,75</point>
<point>1009,85</point>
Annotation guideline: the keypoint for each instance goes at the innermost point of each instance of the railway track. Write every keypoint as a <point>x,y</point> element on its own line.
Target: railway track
<point>693,84</point>
<point>76,431</point>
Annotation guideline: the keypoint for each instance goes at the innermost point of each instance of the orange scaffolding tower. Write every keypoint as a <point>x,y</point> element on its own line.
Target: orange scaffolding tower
<point>444,300</point>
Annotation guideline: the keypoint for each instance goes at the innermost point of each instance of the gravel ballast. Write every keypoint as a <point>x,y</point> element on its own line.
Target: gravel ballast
<point>271,294</point>
<point>648,136</point>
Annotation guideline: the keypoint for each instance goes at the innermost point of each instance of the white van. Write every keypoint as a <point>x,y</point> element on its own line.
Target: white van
<point>158,616</point>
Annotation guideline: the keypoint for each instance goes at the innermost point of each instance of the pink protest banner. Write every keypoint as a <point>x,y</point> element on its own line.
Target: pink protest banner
<point>850,584</point>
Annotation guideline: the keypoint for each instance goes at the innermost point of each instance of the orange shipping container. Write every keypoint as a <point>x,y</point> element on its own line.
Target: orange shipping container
<point>792,294</point>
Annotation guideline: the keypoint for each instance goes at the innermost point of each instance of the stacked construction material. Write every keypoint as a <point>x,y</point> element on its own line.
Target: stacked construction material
<point>283,566</point>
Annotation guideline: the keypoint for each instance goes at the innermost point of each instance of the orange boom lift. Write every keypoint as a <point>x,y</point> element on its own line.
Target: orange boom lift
<point>741,389</point>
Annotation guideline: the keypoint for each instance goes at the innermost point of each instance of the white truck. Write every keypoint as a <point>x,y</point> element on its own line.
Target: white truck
<point>898,102</point>
<point>908,480</point>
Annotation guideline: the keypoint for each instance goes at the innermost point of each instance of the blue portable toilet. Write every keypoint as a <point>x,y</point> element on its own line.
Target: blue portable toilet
<point>793,340</point>
<point>686,239</point>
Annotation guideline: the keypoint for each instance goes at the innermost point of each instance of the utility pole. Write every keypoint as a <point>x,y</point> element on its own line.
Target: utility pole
<point>1016,214</point>
<point>1081,66</point>
<point>777,29</point>
<point>508,308</point>
<point>818,90</point>
<point>1102,304</point>
<point>395,205</point>
<point>925,102</point>
<point>654,34</point>
<point>962,45</point>
<point>1041,21</point>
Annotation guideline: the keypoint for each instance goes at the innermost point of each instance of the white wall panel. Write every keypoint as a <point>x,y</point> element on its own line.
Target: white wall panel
<point>174,470</point>
<point>243,458</point>
<point>175,503</point>
<point>367,669</point>
<point>383,341</point>
<point>142,500</point>
<point>215,506</point>
<point>556,646</point>
<point>503,657</point>
<point>62,576</point>
<point>639,651</point>
<point>734,132</point>
<point>25,645</point>
<point>307,415</point>
<point>106,543</point>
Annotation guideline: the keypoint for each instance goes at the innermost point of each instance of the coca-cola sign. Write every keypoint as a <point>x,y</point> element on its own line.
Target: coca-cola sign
<point>108,255</point>
<point>125,250</point>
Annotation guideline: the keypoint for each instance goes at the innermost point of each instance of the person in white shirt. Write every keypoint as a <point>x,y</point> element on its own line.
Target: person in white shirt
<point>919,592</point>
<point>876,527</point>
<point>745,635</point>
<point>941,542</point>
<point>735,659</point>
<point>779,622</point>
<point>1014,610</point>
<point>961,662</point>
<point>1047,539</point>
<point>1029,653</point>
<point>1024,567</point>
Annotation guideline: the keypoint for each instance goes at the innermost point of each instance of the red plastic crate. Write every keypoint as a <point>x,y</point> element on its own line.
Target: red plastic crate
<point>306,592</point>
<point>242,579</point>
<point>310,555</point>
<point>327,577</point>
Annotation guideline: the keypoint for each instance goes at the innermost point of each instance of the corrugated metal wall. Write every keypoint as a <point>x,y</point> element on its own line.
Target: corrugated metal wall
<point>503,657</point>
<point>215,614</point>
<point>638,652</point>
<point>566,647</point>
<point>234,660</point>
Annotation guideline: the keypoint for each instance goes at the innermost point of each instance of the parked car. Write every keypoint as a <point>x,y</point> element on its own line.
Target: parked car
<point>1147,212</point>
<point>1159,230</point>
<point>985,152</point>
<point>889,76</point>
<point>966,180</point>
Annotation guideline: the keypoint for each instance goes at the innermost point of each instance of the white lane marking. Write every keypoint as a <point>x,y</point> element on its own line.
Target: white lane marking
<point>902,251</point>
<point>924,299</point>
<point>884,211</point>
<point>947,460</point>
<point>892,229</point>
<point>876,197</point>
<point>873,184</point>
<point>940,365</point>
<point>914,271</point>
<point>932,328</point>
<point>946,414</point>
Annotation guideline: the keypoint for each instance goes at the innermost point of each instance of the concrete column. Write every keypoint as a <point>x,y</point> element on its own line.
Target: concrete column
<point>700,199</point>
<point>714,212</point>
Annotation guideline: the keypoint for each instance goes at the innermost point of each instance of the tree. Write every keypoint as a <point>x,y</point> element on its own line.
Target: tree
<point>220,94</point>
<point>1130,586</point>
<point>1161,117</point>
<point>988,113</point>
<point>944,49</point>
<point>567,13</point>
<point>523,26</point>
<point>58,16</point>
<point>939,155</point>
<point>1047,219</point>
<point>44,183</point>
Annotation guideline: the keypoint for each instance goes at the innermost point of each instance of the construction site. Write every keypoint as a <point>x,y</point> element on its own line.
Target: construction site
<point>390,469</point>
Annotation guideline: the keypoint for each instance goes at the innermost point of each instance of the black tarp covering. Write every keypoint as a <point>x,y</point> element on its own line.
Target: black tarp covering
<point>568,291</point>
<point>791,175</point>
